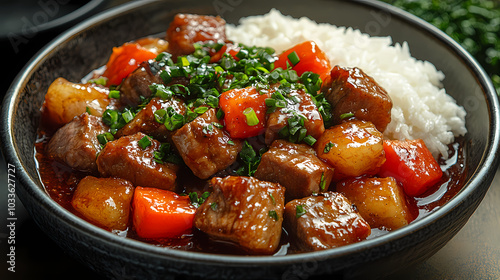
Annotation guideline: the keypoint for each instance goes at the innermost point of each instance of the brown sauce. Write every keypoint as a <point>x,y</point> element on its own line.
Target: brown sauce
<point>60,182</point>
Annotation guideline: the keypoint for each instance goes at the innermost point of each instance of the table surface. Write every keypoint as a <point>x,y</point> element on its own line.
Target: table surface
<point>474,253</point>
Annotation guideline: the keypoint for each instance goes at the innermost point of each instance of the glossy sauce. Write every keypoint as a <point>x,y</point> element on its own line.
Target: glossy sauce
<point>61,181</point>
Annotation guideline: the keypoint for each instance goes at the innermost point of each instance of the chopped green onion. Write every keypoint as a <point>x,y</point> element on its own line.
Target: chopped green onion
<point>272,198</point>
<point>346,116</point>
<point>294,58</point>
<point>105,138</point>
<point>214,206</point>
<point>273,215</point>
<point>144,142</point>
<point>230,142</point>
<point>87,109</point>
<point>328,147</point>
<point>201,110</point>
<point>309,140</point>
<point>114,94</point>
<point>127,116</point>
<point>184,61</point>
<point>299,211</point>
<point>218,125</point>
<point>110,117</point>
<point>99,81</point>
<point>322,182</point>
<point>160,115</point>
<point>251,116</point>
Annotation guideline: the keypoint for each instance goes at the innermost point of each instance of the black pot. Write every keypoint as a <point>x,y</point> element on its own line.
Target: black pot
<point>88,45</point>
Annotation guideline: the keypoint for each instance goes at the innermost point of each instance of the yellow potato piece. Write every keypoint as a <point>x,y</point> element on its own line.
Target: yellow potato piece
<point>65,100</point>
<point>104,201</point>
<point>380,201</point>
<point>353,148</point>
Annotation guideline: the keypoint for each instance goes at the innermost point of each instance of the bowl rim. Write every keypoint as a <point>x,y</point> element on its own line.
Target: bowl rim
<point>488,162</point>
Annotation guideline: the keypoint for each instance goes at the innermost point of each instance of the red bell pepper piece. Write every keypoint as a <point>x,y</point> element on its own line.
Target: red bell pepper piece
<point>161,214</point>
<point>411,164</point>
<point>234,102</point>
<point>124,60</point>
<point>312,58</point>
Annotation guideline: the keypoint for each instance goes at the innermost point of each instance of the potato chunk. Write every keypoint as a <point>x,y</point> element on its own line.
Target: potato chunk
<point>353,148</point>
<point>104,201</point>
<point>380,201</point>
<point>65,100</point>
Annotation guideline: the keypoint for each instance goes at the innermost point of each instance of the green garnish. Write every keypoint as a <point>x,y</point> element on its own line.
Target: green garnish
<point>250,160</point>
<point>105,138</point>
<point>346,116</point>
<point>214,206</point>
<point>272,198</point>
<point>127,116</point>
<point>110,117</point>
<point>252,119</point>
<point>294,58</point>
<point>299,211</point>
<point>114,94</point>
<point>273,215</point>
<point>99,81</point>
<point>230,142</point>
<point>201,110</point>
<point>328,147</point>
<point>165,154</point>
<point>198,200</point>
<point>87,109</point>
<point>144,142</point>
<point>322,182</point>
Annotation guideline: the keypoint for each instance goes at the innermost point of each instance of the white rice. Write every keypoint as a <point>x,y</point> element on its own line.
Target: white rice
<point>421,107</point>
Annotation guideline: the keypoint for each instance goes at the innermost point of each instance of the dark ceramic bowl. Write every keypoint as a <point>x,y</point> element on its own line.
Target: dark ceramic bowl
<point>87,46</point>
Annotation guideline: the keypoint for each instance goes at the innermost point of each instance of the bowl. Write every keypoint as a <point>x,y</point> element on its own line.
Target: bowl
<point>87,46</point>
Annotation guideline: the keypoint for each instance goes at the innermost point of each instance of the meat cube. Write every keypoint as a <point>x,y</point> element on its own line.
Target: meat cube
<point>76,143</point>
<point>125,158</point>
<point>305,107</point>
<point>145,121</point>
<point>353,148</point>
<point>243,210</point>
<point>104,201</point>
<point>380,201</point>
<point>186,29</point>
<point>350,90</point>
<point>136,84</point>
<point>324,221</point>
<point>296,167</point>
<point>204,147</point>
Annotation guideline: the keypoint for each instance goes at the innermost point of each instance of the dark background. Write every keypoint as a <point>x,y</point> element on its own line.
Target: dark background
<point>474,253</point>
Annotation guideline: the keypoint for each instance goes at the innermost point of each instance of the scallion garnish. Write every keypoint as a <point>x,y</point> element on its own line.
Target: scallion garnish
<point>144,142</point>
<point>114,94</point>
<point>346,116</point>
<point>251,116</point>
<point>322,182</point>
<point>273,214</point>
<point>105,138</point>
<point>127,116</point>
<point>294,58</point>
<point>328,147</point>
<point>299,211</point>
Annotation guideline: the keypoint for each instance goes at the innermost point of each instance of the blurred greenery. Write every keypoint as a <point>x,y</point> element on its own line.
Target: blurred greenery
<point>475,24</point>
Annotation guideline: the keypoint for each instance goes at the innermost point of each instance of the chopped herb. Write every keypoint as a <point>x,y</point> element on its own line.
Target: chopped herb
<point>201,110</point>
<point>251,116</point>
<point>273,215</point>
<point>322,182</point>
<point>214,206</point>
<point>230,142</point>
<point>272,198</point>
<point>328,147</point>
<point>127,116</point>
<point>87,109</point>
<point>198,200</point>
<point>309,140</point>
<point>250,160</point>
<point>144,142</point>
<point>294,58</point>
<point>218,125</point>
<point>99,81</point>
<point>114,94</point>
<point>110,117</point>
<point>346,116</point>
<point>299,211</point>
<point>105,138</point>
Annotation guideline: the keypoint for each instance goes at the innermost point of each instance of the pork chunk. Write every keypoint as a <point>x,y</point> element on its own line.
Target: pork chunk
<point>136,84</point>
<point>104,201</point>
<point>187,29</point>
<point>146,123</point>
<point>350,90</point>
<point>381,201</point>
<point>76,142</point>
<point>204,147</point>
<point>243,210</point>
<point>324,221</point>
<point>296,167</point>
<point>125,158</point>
<point>305,107</point>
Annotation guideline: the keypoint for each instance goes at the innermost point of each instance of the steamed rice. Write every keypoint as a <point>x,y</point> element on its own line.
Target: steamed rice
<point>421,107</point>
